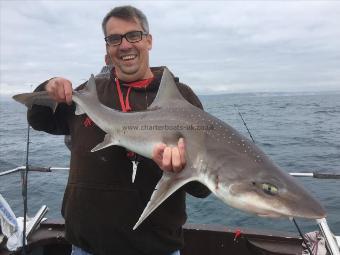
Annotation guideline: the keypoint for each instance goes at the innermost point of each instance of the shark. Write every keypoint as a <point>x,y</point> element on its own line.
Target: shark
<point>235,169</point>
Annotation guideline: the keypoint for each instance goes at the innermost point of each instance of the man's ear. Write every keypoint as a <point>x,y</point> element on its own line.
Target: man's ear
<point>107,59</point>
<point>149,39</point>
<point>107,56</point>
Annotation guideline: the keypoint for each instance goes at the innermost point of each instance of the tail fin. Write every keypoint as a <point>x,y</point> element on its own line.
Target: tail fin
<point>42,97</point>
<point>39,98</point>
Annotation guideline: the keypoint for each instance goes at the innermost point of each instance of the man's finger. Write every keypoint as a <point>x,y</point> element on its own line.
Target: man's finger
<point>157,153</point>
<point>51,88</point>
<point>176,160</point>
<point>60,89</point>
<point>68,92</point>
<point>181,148</point>
<point>60,93</point>
<point>167,166</point>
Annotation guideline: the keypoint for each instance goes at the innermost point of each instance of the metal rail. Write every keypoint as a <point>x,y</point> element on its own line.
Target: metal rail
<point>331,240</point>
<point>33,169</point>
<point>313,174</point>
<point>319,174</point>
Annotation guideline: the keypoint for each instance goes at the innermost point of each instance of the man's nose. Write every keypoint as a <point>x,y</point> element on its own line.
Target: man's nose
<point>125,44</point>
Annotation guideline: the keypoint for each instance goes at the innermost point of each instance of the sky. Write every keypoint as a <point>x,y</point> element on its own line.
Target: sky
<point>213,46</point>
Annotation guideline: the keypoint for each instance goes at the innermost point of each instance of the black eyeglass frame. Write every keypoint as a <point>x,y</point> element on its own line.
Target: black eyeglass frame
<point>125,36</point>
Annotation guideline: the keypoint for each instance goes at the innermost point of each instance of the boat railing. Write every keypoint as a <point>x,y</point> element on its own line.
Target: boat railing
<point>319,174</point>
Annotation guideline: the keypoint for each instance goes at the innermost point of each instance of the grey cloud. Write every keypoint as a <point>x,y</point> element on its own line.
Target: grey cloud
<point>214,46</point>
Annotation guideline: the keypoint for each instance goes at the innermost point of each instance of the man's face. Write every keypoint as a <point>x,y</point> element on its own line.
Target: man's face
<point>131,60</point>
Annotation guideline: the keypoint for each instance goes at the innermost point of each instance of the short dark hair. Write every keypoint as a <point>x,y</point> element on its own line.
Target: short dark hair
<point>128,13</point>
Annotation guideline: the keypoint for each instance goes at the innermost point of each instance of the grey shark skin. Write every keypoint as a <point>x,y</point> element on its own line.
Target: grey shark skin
<point>230,165</point>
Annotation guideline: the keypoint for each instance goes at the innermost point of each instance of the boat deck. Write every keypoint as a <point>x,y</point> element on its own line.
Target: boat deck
<point>199,239</point>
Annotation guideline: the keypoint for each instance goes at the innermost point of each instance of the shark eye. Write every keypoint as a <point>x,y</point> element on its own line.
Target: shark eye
<point>269,189</point>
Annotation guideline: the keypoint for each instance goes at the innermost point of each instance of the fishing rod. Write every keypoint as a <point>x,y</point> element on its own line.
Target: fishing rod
<point>24,176</point>
<point>294,221</point>
<point>244,123</point>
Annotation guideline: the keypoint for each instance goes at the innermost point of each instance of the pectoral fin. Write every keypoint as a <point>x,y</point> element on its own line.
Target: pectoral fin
<point>167,185</point>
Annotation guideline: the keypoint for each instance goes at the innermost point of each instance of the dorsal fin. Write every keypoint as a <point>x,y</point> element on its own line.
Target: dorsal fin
<point>91,86</point>
<point>167,91</point>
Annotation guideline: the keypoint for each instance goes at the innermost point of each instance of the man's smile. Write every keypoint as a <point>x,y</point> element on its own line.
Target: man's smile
<point>128,57</point>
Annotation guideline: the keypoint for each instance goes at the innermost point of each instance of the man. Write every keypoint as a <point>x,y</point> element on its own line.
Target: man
<point>101,202</point>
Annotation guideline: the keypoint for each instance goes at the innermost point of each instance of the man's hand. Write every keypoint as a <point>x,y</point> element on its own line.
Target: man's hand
<point>170,159</point>
<point>60,90</point>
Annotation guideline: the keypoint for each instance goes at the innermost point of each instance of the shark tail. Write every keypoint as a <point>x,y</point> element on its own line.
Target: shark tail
<point>38,98</point>
<point>167,185</point>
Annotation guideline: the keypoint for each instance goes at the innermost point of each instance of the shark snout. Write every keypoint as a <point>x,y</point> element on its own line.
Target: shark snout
<point>268,200</point>
<point>303,205</point>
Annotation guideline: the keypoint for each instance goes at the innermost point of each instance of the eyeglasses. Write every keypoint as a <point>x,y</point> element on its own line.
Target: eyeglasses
<point>132,37</point>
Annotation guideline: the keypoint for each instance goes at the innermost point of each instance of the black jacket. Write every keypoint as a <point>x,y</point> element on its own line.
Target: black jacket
<point>101,204</point>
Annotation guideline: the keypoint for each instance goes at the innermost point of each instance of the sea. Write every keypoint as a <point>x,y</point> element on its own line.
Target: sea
<point>300,132</point>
